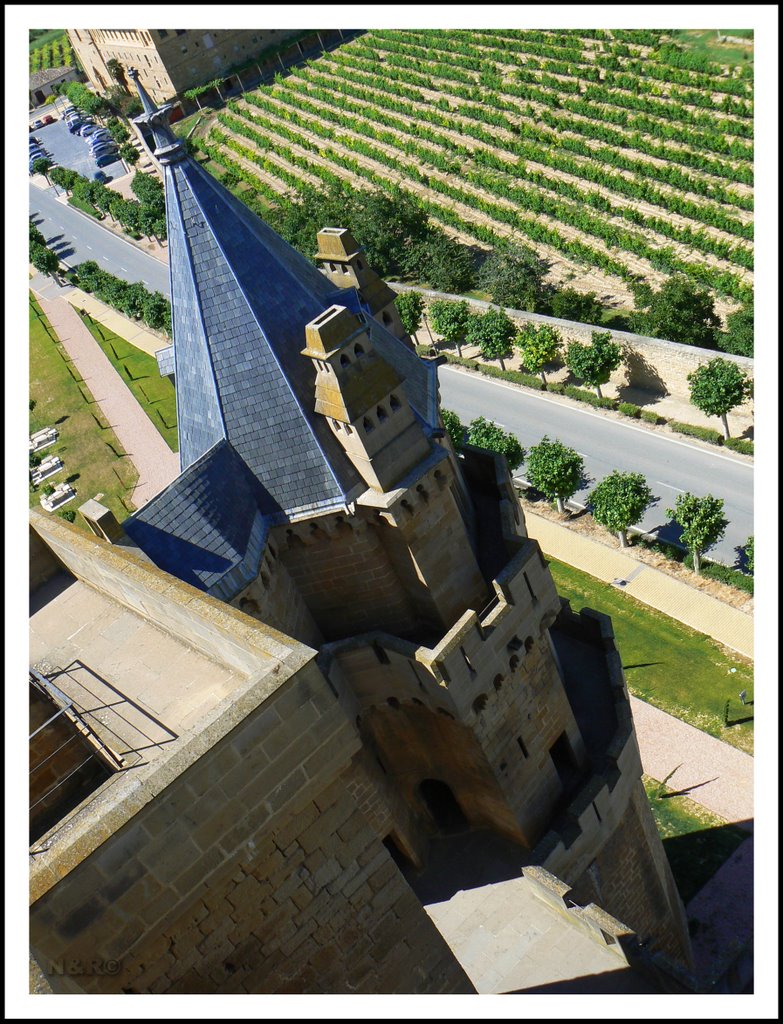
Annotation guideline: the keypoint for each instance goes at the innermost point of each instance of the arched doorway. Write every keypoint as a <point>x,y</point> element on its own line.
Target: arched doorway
<point>442,805</point>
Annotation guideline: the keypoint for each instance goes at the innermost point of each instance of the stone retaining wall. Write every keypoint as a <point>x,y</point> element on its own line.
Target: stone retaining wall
<point>652,364</point>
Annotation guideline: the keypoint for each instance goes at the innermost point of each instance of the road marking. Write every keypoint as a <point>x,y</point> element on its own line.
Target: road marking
<point>89,247</point>
<point>671,486</point>
<point>125,269</point>
<point>105,258</point>
<point>586,412</point>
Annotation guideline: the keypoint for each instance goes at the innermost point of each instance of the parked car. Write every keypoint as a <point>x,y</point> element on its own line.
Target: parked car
<point>97,137</point>
<point>49,119</point>
<point>74,126</point>
<point>105,159</point>
<point>101,177</point>
<point>87,129</point>
<point>37,154</point>
<point>37,123</point>
<point>105,152</point>
<point>34,140</point>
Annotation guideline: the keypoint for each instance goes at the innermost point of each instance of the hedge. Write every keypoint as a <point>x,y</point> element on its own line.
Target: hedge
<point>515,376</point>
<point>723,574</point>
<point>587,396</point>
<point>652,417</point>
<point>704,433</point>
<point>739,444</point>
<point>629,409</point>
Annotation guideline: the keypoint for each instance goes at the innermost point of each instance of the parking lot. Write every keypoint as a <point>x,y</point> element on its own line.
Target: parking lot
<point>73,151</point>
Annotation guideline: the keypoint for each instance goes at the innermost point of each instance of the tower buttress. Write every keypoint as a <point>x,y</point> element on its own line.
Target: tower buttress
<point>342,260</point>
<point>363,401</point>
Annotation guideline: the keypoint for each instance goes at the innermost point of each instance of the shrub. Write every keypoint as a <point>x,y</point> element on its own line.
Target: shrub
<point>723,574</point>
<point>555,387</point>
<point>652,417</point>
<point>704,433</point>
<point>739,444</point>
<point>33,404</point>
<point>629,409</point>
<point>48,489</point>
<point>587,396</point>
<point>68,514</point>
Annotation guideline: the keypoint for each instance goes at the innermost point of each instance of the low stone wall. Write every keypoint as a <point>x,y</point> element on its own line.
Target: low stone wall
<point>651,364</point>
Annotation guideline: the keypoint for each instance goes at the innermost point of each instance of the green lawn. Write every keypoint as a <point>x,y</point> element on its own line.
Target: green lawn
<point>94,461</point>
<point>154,393</point>
<point>696,842</point>
<point>680,671</point>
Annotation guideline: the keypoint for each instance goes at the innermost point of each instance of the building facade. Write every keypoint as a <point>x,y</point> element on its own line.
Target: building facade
<point>404,679</point>
<point>168,61</point>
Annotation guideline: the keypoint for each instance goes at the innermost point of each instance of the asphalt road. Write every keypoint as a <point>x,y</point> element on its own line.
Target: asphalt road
<point>75,237</point>
<point>670,466</point>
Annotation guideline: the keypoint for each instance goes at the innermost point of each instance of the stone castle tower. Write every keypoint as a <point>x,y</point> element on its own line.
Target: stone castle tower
<point>320,502</point>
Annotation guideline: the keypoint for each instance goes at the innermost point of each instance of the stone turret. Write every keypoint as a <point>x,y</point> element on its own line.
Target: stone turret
<point>342,259</point>
<point>359,393</point>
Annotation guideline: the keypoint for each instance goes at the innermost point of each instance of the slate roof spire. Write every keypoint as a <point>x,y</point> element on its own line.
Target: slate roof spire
<point>168,148</point>
<point>249,436</point>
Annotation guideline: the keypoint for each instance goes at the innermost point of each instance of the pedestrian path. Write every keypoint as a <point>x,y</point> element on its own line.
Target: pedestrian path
<point>671,596</point>
<point>157,465</point>
<point>711,773</point>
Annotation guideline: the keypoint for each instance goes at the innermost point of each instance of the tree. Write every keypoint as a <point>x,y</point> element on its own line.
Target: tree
<point>538,346</point>
<point>582,307</point>
<point>738,336</point>
<point>749,554</point>
<point>514,276</point>
<point>450,320</point>
<point>620,501</point>
<point>64,177</point>
<point>594,363</point>
<point>129,153</point>
<point>484,434</point>
<point>35,235</point>
<point>41,165</point>
<point>555,470</point>
<point>445,264</point>
<point>116,71</point>
<point>718,387</point>
<point>679,311</point>
<point>492,332</point>
<point>44,260</point>
<point>454,428</point>
<point>410,306</point>
<point>118,130</point>
<point>702,523</point>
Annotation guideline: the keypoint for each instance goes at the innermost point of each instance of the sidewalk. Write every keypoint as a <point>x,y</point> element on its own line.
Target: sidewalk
<point>701,612</point>
<point>156,463</point>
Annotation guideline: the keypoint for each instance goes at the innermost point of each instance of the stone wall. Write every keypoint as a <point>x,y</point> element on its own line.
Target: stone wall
<point>252,871</point>
<point>651,364</point>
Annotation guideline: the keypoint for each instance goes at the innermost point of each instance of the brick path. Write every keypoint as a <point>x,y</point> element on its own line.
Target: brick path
<point>156,463</point>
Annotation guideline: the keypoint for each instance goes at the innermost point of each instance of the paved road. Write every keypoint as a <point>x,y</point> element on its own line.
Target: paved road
<point>76,238</point>
<point>669,465</point>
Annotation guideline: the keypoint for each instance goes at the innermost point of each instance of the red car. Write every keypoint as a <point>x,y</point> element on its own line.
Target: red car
<point>48,119</point>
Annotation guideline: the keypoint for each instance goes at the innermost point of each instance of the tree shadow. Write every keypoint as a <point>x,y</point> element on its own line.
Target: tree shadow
<point>72,478</point>
<point>642,664</point>
<point>747,433</point>
<point>62,419</point>
<point>741,559</point>
<point>641,376</point>
<point>686,790</point>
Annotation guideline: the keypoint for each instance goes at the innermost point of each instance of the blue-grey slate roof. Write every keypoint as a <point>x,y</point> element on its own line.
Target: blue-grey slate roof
<point>209,525</point>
